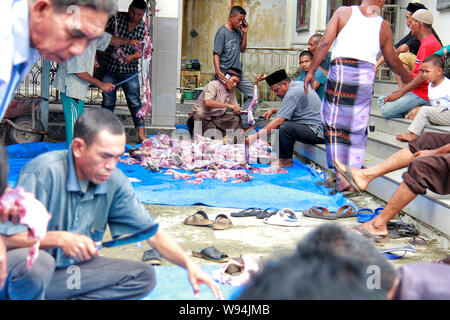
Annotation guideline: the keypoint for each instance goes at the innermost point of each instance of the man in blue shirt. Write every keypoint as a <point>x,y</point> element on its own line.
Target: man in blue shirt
<point>85,193</point>
<point>57,30</point>
<point>320,80</point>
<point>297,118</point>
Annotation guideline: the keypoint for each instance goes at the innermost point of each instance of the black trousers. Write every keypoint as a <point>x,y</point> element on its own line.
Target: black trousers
<point>290,132</point>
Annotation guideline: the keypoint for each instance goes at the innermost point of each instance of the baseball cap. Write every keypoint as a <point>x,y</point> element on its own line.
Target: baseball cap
<point>424,16</point>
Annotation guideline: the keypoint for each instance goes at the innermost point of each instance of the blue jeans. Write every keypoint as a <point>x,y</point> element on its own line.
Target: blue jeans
<point>132,91</point>
<point>400,107</point>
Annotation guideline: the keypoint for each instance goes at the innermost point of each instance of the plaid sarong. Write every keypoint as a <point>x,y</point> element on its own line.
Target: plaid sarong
<point>346,110</point>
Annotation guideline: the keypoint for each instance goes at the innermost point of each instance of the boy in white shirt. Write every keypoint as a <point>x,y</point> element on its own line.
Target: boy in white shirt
<point>439,96</point>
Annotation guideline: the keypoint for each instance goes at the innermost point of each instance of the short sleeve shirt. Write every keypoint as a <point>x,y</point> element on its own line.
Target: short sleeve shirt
<point>107,60</point>
<point>227,44</point>
<point>320,77</point>
<point>87,210</point>
<point>299,107</point>
<point>440,95</point>
<point>428,46</point>
<point>216,91</point>
<point>67,82</point>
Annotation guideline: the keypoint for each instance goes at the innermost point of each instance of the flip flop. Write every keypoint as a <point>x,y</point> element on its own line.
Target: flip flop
<point>346,211</point>
<point>419,242</point>
<point>211,254</point>
<point>200,219</point>
<point>320,213</point>
<point>364,215</point>
<point>373,237</point>
<point>285,217</point>
<point>347,175</point>
<point>249,212</point>
<point>152,257</point>
<point>388,251</point>
<point>399,229</point>
<point>267,213</point>
<point>222,222</point>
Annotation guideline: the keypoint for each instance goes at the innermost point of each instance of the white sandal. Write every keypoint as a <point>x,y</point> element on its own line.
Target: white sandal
<point>285,217</point>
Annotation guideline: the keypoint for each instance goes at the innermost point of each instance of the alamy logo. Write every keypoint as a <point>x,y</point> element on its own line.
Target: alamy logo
<point>374,279</point>
<point>74,280</point>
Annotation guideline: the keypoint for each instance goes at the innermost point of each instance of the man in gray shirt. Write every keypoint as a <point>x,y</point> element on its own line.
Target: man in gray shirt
<point>297,118</point>
<point>229,41</point>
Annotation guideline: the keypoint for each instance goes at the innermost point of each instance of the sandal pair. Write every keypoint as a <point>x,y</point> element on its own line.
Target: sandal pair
<point>345,211</point>
<point>211,254</point>
<point>200,219</point>
<point>255,212</point>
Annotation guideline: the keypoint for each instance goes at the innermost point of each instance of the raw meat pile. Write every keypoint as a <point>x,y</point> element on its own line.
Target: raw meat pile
<point>202,157</point>
<point>32,213</point>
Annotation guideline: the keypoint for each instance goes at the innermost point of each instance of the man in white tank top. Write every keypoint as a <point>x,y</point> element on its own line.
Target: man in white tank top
<point>360,32</point>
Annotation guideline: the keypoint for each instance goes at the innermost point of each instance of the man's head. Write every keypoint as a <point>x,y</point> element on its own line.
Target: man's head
<point>313,42</point>
<point>411,9</point>
<point>136,10</point>
<point>329,263</point>
<point>305,60</point>
<point>279,83</point>
<point>421,22</point>
<point>233,76</point>
<point>61,29</point>
<point>237,16</point>
<point>433,68</point>
<point>99,141</point>
<point>4,169</point>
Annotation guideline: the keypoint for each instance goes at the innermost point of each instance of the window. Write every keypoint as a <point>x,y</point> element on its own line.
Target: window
<point>443,5</point>
<point>303,13</point>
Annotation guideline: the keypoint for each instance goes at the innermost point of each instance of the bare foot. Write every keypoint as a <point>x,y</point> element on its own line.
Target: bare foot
<point>413,113</point>
<point>358,176</point>
<point>406,137</point>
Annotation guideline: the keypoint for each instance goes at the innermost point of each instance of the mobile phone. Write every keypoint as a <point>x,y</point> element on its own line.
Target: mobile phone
<point>244,24</point>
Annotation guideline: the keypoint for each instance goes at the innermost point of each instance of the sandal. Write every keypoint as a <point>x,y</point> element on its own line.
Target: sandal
<point>200,219</point>
<point>285,217</point>
<point>346,211</point>
<point>369,236</point>
<point>399,229</point>
<point>347,175</point>
<point>419,242</point>
<point>250,212</point>
<point>152,257</point>
<point>211,254</point>
<point>267,213</point>
<point>320,213</point>
<point>222,222</point>
<point>389,251</point>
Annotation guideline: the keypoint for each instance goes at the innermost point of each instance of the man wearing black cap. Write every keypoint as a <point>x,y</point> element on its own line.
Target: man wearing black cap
<point>210,109</point>
<point>408,46</point>
<point>297,118</point>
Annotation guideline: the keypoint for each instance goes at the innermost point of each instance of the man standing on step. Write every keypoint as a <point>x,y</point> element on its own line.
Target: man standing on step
<point>229,41</point>
<point>360,32</point>
<point>428,162</point>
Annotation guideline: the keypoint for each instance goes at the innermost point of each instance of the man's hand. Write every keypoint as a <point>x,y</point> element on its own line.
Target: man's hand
<point>136,44</point>
<point>128,60</point>
<point>10,213</point>
<point>425,153</point>
<point>197,276</point>
<point>221,76</point>
<point>236,110</point>
<point>309,78</point>
<point>3,264</point>
<point>244,29</point>
<point>393,96</point>
<point>78,246</point>
<point>266,115</point>
<point>261,77</point>
<point>107,86</point>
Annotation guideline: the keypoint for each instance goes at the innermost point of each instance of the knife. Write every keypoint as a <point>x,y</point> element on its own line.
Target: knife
<point>141,235</point>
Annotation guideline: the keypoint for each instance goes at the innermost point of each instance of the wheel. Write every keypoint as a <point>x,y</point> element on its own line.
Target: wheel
<point>25,122</point>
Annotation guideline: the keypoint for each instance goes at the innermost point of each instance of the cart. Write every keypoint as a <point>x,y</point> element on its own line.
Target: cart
<point>21,121</point>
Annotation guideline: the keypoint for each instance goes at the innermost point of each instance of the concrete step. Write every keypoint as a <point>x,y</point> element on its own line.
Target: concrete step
<point>432,209</point>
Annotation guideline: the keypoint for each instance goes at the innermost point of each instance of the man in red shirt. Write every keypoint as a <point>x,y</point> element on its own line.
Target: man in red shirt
<point>399,103</point>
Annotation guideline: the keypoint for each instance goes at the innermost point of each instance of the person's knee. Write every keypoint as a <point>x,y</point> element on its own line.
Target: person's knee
<point>146,278</point>
<point>42,270</point>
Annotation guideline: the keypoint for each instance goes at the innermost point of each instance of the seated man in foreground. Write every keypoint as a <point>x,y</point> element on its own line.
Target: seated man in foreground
<point>297,118</point>
<point>85,192</point>
<point>210,109</point>
<point>427,159</point>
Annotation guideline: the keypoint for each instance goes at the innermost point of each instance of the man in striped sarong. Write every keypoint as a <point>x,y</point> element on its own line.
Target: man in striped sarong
<point>360,32</point>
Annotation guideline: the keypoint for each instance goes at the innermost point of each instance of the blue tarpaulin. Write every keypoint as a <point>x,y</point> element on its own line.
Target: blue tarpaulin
<point>296,190</point>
